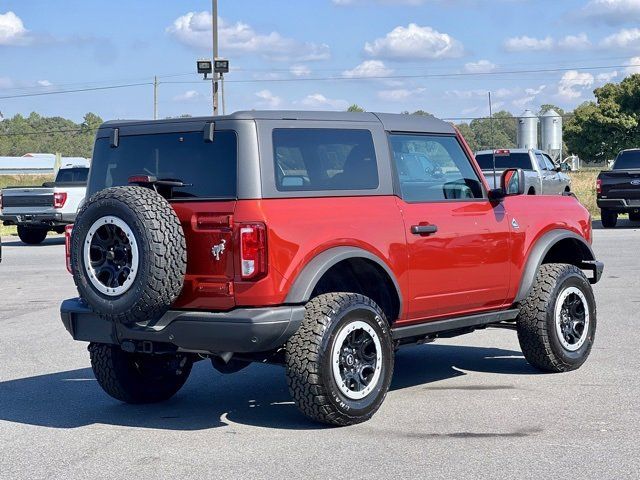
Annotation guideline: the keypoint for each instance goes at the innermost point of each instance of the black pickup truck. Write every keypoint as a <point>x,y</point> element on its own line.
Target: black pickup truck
<point>618,189</point>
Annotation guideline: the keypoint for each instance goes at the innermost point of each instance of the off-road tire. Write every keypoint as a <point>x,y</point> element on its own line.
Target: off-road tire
<point>138,377</point>
<point>634,217</point>
<point>309,366</point>
<point>609,218</point>
<point>161,248</point>
<point>536,323</point>
<point>32,235</point>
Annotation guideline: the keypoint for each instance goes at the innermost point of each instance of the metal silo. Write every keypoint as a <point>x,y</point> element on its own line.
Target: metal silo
<point>551,133</point>
<point>528,130</point>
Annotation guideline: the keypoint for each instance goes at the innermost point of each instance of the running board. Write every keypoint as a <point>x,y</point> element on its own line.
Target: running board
<point>439,326</point>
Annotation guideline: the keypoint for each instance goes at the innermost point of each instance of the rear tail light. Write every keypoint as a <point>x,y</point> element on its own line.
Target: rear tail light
<point>67,246</point>
<point>598,186</point>
<point>59,199</point>
<point>253,251</point>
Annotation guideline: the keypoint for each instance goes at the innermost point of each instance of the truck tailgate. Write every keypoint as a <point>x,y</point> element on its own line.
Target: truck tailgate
<point>31,200</point>
<point>621,184</point>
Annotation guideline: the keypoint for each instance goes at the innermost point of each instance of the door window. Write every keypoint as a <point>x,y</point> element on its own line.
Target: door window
<point>541,163</point>
<point>549,163</point>
<point>433,168</point>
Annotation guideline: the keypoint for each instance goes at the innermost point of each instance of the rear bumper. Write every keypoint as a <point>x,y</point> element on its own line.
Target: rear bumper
<point>619,204</point>
<point>39,219</point>
<point>245,330</point>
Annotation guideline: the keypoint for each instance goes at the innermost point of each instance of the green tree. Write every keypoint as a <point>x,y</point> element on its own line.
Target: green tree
<point>599,130</point>
<point>485,134</point>
<point>355,108</point>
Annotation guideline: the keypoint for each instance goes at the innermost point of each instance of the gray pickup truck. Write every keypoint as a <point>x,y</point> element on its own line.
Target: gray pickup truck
<point>542,176</point>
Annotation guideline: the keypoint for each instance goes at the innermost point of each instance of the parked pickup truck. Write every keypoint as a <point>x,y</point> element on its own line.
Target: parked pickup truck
<point>38,210</point>
<point>317,241</point>
<point>618,189</point>
<point>542,176</point>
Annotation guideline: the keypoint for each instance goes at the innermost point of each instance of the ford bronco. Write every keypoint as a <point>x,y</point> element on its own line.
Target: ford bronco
<point>319,241</point>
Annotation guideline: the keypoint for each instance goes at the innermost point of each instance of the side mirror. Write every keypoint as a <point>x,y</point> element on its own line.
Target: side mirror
<point>512,182</point>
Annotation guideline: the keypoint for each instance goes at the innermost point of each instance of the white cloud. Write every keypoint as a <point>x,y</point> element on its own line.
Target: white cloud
<point>414,42</point>
<point>525,43</point>
<point>633,66</point>
<point>400,94</point>
<point>12,30</point>
<point>368,68</point>
<point>523,101</point>
<point>317,101</point>
<point>194,29</point>
<point>188,96</point>
<point>606,77</point>
<point>535,91</point>
<point>625,38</point>
<point>300,70</point>
<point>575,42</point>
<point>268,99</point>
<point>612,12</point>
<point>44,83</point>
<point>573,83</point>
<point>481,66</point>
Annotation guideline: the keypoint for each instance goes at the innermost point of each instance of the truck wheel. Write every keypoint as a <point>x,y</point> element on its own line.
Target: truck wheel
<point>138,377</point>
<point>634,217</point>
<point>32,235</point>
<point>557,321</point>
<point>609,218</point>
<point>128,254</point>
<point>340,361</point>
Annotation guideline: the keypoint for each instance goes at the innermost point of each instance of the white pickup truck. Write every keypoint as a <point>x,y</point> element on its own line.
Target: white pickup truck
<point>38,210</point>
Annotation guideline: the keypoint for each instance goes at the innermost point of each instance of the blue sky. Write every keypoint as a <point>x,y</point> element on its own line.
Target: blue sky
<point>386,55</point>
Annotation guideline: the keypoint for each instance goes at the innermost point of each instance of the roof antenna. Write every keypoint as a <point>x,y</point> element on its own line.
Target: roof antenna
<point>493,147</point>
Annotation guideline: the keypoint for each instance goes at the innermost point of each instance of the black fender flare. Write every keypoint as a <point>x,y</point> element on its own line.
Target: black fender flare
<point>308,278</point>
<point>538,253</point>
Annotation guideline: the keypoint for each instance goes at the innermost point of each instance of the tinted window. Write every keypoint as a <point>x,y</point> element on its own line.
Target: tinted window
<point>513,160</point>
<point>72,175</point>
<point>541,163</point>
<point>324,159</point>
<point>431,168</point>
<point>208,169</point>
<point>627,160</point>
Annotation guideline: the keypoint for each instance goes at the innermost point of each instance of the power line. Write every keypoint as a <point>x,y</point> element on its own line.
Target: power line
<point>76,90</point>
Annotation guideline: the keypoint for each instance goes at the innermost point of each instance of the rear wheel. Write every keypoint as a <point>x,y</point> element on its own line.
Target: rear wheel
<point>609,218</point>
<point>340,361</point>
<point>32,235</point>
<point>557,321</point>
<point>138,377</point>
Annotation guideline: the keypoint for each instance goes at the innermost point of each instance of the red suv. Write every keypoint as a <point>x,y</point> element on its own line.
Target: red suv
<point>319,241</point>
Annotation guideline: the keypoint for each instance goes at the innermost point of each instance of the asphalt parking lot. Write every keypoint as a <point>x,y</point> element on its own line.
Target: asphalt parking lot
<point>469,407</point>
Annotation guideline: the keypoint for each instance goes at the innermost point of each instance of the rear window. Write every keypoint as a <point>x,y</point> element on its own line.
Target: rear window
<point>627,160</point>
<point>324,159</point>
<point>72,175</point>
<point>513,160</point>
<point>207,168</point>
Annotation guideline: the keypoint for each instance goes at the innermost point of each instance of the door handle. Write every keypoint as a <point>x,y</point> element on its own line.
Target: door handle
<point>424,229</point>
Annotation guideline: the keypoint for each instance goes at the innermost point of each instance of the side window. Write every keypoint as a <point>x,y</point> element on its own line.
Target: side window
<point>549,163</point>
<point>324,159</point>
<point>540,161</point>
<point>432,168</point>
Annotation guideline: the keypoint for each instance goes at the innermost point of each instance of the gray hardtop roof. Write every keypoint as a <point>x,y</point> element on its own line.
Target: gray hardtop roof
<point>394,122</point>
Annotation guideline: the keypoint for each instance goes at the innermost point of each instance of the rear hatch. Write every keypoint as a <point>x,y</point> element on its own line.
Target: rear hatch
<point>204,205</point>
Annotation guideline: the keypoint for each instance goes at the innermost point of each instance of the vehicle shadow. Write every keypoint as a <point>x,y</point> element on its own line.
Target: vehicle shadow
<point>57,240</point>
<point>255,396</point>
<point>623,223</point>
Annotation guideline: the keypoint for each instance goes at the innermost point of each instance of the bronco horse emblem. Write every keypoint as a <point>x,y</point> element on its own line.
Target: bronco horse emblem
<point>218,249</point>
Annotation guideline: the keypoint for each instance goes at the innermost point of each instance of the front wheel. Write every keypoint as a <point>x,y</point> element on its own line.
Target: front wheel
<point>138,377</point>
<point>340,361</point>
<point>32,235</point>
<point>609,218</point>
<point>557,321</point>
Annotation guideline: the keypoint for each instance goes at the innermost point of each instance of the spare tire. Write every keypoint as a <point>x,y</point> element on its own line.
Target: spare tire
<point>128,254</point>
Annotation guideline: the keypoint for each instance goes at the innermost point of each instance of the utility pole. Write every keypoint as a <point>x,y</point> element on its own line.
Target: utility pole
<point>214,34</point>
<point>155,98</point>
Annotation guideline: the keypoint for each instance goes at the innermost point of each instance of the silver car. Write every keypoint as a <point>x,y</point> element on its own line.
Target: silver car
<point>542,176</point>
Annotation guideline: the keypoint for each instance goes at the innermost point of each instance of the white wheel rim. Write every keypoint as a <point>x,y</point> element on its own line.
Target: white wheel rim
<point>368,372</point>
<point>572,329</point>
<point>120,258</point>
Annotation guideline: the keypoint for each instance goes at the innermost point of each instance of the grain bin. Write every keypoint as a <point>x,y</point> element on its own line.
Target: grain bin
<point>551,134</point>
<point>528,130</point>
